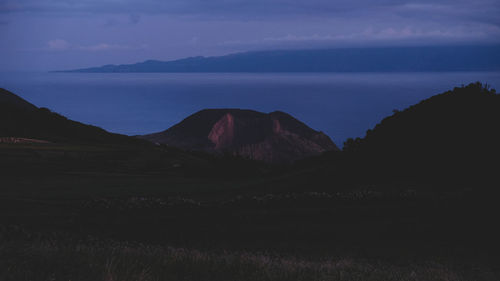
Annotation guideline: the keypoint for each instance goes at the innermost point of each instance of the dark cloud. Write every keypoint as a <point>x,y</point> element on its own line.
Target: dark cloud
<point>241,7</point>
<point>178,28</point>
<point>134,18</point>
<point>485,11</point>
<point>482,11</point>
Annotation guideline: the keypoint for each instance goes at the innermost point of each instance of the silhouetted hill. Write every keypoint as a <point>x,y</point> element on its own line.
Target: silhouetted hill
<point>273,137</point>
<point>10,100</point>
<point>442,58</point>
<point>21,119</point>
<point>453,132</point>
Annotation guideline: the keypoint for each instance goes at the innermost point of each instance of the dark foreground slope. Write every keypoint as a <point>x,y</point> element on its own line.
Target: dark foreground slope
<point>275,137</point>
<point>94,212</point>
<point>438,58</point>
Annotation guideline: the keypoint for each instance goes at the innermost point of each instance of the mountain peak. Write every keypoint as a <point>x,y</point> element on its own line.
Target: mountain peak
<point>275,137</point>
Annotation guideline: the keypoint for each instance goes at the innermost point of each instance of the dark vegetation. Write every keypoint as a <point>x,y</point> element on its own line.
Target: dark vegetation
<point>63,258</point>
<point>451,135</point>
<point>416,199</point>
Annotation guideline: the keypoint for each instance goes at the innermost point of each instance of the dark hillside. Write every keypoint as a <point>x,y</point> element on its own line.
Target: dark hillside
<point>10,100</point>
<point>456,132</point>
<point>21,119</point>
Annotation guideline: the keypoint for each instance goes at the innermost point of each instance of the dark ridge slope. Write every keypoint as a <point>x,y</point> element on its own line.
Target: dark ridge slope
<point>21,119</point>
<point>451,132</point>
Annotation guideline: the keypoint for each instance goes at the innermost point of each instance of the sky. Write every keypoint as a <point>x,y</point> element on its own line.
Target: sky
<point>41,35</point>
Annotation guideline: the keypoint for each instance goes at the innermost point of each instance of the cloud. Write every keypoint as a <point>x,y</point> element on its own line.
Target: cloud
<point>449,13</point>
<point>58,45</point>
<point>108,47</point>
<point>178,28</point>
<point>63,45</point>
<point>110,22</point>
<point>404,35</point>
<point>134,18</point>
<point>194,40</point>
<point>242,7</point>
<point>121,20</point>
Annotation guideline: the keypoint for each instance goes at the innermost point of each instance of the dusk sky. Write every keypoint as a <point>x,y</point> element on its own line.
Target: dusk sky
<point>60,34</point>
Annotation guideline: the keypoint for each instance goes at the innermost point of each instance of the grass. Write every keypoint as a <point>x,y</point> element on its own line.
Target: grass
<point>89,213</point>
<point>29,257</point>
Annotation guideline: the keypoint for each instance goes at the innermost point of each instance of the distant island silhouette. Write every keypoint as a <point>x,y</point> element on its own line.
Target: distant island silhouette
<point>388,59</point>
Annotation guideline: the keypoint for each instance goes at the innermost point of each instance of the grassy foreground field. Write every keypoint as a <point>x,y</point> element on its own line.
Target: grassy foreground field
<point>119,213</point>
<point>62,258</point>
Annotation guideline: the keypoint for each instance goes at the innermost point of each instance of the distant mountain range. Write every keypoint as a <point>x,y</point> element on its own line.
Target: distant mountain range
<point>275,137</point>
<point>394,59</point>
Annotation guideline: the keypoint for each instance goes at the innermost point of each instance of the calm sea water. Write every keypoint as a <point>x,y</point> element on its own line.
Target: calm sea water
<point>340,104</point>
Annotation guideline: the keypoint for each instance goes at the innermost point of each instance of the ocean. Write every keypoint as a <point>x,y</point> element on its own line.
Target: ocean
<point>342,105</point>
